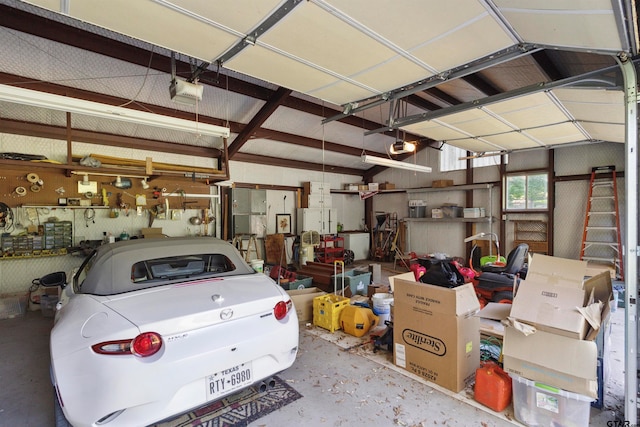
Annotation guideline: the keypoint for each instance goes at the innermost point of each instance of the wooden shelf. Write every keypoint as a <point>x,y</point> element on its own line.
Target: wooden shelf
<point>532,232</point>
<point>484,219</point>
<point>485,186</point>
<point>422,189</point>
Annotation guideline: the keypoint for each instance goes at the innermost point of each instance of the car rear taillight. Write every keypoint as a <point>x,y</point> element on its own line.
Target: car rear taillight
<point>281,309</point>
<point>144,345</point>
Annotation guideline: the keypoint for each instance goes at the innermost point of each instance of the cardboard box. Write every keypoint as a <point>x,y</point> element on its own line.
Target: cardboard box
<point>554,289</point>
<point>410,277</point>
<point>491,317</point>
<point>437,213</point>
<point>152,232</point>
<point>552,359</point>
<point>377,289</point>
<point>373,186</point>
<point>594,268</point>
<point>439,183</point>
<point>303,302</point>
<point>436,332</point>
<point>387,186</point>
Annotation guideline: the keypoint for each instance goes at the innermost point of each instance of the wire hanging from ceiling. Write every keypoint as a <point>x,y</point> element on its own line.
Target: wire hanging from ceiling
<point>144,81</point>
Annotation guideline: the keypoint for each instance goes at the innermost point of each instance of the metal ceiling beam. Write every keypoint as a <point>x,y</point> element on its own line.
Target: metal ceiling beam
<point>304,141</point>
<point>264,26</point>
<point>256,122</point>
<point>504,55</point>
<point>40,130</point>
<point>295,164</point>
<point>587,77</point>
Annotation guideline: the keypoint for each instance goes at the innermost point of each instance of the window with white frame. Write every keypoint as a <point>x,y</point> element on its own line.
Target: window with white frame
<point>450,159</point>
<point>527,191</point>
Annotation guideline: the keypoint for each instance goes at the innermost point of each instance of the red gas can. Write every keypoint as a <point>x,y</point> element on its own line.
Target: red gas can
<point>418,271</point>
<point>493,386</point>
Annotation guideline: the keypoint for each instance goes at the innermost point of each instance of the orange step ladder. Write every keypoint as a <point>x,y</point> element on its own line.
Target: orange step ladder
<point>601,234</point>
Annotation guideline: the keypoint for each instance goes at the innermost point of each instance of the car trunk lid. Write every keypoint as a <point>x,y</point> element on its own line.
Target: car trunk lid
<point>192,305</point>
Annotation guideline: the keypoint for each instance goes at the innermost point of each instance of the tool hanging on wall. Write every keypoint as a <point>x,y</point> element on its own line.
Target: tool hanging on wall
<point>89,216</point>
<point>20,191</point>
<point>35,181</point>
<point>33,178</point>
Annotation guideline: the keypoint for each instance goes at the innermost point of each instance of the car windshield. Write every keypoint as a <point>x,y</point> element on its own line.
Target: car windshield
<point>175,267</point>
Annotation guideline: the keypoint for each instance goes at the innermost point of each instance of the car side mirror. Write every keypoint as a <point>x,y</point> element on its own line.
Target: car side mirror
<point>59,278</point>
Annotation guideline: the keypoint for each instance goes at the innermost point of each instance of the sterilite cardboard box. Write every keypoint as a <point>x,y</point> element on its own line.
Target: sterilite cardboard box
<point>436,333</point>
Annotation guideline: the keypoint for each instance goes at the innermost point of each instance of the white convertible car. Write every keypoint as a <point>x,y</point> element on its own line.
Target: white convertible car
<point>151,328</point>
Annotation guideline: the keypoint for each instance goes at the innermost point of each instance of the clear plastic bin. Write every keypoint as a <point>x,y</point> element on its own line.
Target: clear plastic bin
<point>536,404</point>
<point>48,305</point>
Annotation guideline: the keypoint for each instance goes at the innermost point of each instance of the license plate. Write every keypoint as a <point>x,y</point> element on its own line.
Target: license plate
<point>228,380</point>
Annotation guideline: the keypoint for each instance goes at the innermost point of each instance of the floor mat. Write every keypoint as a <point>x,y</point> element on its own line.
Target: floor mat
<point>238,410</point>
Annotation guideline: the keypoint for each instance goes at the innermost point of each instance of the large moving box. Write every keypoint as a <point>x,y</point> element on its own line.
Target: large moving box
<point>554,354</point>
<point>552,359</point>
<point>436,333</point>
<point>552,293</point>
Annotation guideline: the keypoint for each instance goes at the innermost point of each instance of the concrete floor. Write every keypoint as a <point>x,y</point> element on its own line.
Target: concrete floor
<point>340,387</point>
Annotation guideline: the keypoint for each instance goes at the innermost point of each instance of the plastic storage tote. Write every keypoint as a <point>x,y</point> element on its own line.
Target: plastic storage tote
<point>536,404</point>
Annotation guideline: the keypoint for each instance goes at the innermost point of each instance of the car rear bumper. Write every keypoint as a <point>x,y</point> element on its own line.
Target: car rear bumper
<point>146,391</point>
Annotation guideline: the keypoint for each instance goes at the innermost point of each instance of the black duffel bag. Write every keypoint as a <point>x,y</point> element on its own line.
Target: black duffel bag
<point>443,273</point>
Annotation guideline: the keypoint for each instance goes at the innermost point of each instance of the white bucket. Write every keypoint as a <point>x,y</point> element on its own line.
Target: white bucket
<point>382,306</point>
<point>257,265</point>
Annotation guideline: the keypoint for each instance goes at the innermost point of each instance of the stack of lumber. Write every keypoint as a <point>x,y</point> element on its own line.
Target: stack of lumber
<point>322,275</point>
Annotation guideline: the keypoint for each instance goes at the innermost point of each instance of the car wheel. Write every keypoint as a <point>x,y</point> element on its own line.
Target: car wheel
<point>348,257</point>
<point>61,421</point>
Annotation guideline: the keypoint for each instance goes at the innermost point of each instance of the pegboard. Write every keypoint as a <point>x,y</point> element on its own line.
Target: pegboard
<point>40,186</point>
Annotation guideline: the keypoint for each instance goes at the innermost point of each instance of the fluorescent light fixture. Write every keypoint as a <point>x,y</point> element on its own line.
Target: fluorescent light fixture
<point>35,98</point>
<point>400,147</point>
<point>381,161</point>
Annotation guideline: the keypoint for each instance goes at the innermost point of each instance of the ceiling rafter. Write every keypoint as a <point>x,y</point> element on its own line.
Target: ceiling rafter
<point>40,130</point>
<point>304,141</point>
<point>481,84</point>
<point>256,122</point>
<point>278,161</point>
<point>443,96</point>
<point>547,66</point>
